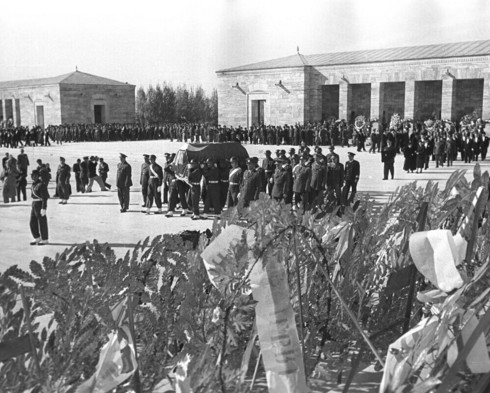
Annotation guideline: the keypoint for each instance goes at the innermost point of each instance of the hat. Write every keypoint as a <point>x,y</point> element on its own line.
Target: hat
<point>35,172</point>
<point>85,158</point>
<point>193,161</point>
<point>267,152</point>
<point>292,150</point>
<point>233,159</point>
<point>62,158</point>
<point>252,160</point>
<point>351,154</point>
<point>153,157</point>
<point>278,151</point>
<point>210,160</point>
<point>146,155</point>
<point>331,147</point>
<point>283,152</point>
<point>122,155</point>
<point>304,156</point>
<point>167,154</point>
<point>91,158</point>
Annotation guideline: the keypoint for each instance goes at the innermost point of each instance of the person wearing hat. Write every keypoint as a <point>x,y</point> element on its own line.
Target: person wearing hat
<point>194,181</point>
<point>224,174</point>
<point>92,175</point>
<point>301,183</point>
<point>328,157</point>
<point>84,173</point>
<point>213,196</point>
<point>234,180</point>
<point>39,222</point>
<point>123,182</point>
<point>154,186</point>
<point>144,178</point>
<point>317,180</point>
<point>253,180</point>
<point>388,154</point>
<point>103,171</point>
<point>334,180</point>
<point>352,173</point>
<point>166,183</point>
<point>63,181</point>
<point>282,181</point>
<point>77,171</point>
<point>269,166</point>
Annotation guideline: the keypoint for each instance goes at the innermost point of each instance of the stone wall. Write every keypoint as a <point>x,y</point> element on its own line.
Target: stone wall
<point>285,103</point>
<point>28,98</point>
<point>77,103</point>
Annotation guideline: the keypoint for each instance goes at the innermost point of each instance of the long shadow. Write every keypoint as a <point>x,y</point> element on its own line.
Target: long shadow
<point>92,204</point>
<point>112,245</point>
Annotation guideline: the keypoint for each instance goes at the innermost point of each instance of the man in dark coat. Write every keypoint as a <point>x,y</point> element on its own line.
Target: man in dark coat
<point>166,183</point>
<point>213,196</point>
<point>77,170</point>
<point>301,183</point>
<point>154,186</point>
<point>39,222</point>
<point>317,182</point>
<point>84,173</point>
<point>281,180</point>
<point>388,154</point>
<point>268,166</point>
<point>123,182</point>
<point>144,178</point>
<point>194,181</point>
<point>63,181</point>
<point>103,171</point>
<point>334,179</point>
<point>352,171</point>
<point>252,183</point>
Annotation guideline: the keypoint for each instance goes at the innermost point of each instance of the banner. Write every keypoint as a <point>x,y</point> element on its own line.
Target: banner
<point>276,326</point>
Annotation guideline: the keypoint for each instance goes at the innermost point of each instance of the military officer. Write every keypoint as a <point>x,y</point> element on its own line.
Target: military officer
<point>281,180</point>
<point>166,184</point>
<point>194,180</point>
<point>268,166</point>
<point>317,180</point>
<point>123,182</point>
<point>301,183</point>
<point>213,196</point>
<point>235,179</point>
<point>39,222</point>
<point>145,177</point>
<point>154,186</point>
<point>352,173</point>
<point>224,173</point>
<point>252,182</point>
<point>63,181</point>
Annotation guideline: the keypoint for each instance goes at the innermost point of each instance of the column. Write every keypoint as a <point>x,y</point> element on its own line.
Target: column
<point>14,112</point>
<point>486,98</point>
<point>343,99</point>
<point>447,98</point>
<point>375,86</point>
<point>409,99</point>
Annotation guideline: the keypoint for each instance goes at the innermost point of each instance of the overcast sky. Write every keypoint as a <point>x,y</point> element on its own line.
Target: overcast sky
<point>143,42</point>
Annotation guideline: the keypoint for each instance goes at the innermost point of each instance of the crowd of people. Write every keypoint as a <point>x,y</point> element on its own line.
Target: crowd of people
<point>302,178</point>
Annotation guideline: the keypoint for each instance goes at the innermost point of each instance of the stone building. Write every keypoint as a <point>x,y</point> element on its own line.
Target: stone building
<point>76,97</point>
<point>444,81</point>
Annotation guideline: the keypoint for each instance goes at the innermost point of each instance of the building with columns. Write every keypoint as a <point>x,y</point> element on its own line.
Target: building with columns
<point>76,97</point>
<point>445,81</point>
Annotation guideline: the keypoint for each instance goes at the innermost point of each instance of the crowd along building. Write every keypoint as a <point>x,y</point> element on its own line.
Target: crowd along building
<point>76,97</point>
<point>444,81</point>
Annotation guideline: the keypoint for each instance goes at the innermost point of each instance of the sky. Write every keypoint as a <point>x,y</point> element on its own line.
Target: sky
<point>186,41</point>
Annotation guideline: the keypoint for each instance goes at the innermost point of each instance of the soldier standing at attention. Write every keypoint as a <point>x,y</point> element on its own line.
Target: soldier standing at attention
<point>235,179</point>
<point>301,183</point>
<point>224,173</point>
<point>281,180</point>
<point>145,177</point>
<point>252,183</point>
<point>154,186</point>
<point>352,173</point>
<point>39,221</point>
<point>77,171</point>
<point>166,183</point>
<point>123,182</point>
<point>195,176</point>
<point>268,166</point>
<point>84,172</point>
<point>63,181</point>
<point>213,197</point>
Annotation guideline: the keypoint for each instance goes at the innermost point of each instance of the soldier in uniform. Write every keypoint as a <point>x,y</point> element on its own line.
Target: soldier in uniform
<point>144,178</point>
<point>213,196</point>
<point>235,178</point>
<point>77,171</point>
<point>194,180</point>
<point>352,172</point>
<point>334,179</point>
<point>39,221</point>
<point>84,173</point>
<point>317,180</point>
<point>281,180</point>
<point>166,183</point>
<point>123,182</point>
<point>252,183</point>
<point>63,181</point>
<point>268,166</point>
<point>301,183</point>
<point>154,186</point>
<point>224,173</point>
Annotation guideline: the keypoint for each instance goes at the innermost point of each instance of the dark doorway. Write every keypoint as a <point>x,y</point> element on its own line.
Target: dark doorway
<point>330,101</point>
<point>392,99</point>
<point>467,98</point>
<point>40,116</point>
<point>99,114</point>
<point>359,100</point>
<point>258,112</point>
<point>17,113</point>
<point>428,100</point>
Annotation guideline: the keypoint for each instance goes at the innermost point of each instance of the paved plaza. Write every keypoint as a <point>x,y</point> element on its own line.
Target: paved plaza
<point>96,215</point>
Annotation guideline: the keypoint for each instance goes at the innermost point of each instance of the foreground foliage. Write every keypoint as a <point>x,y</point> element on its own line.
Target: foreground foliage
<point>180,317</point>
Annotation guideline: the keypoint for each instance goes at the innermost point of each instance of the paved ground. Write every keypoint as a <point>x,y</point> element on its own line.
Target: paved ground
<point>96,215</point>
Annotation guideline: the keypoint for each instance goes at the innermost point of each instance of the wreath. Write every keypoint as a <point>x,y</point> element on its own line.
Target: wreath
<point>395,122</point>
<point>359,123</point>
